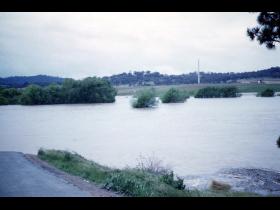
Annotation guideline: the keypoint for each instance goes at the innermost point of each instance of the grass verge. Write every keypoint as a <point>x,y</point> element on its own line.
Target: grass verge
<point>129,181</point>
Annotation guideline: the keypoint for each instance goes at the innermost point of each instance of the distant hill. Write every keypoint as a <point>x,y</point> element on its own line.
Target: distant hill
<point>151,78</point>
<point>156,78</point>
<point>23,81</point>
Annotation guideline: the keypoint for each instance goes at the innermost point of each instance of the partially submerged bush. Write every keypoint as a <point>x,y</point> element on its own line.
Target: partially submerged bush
<point>174,96</point>
<point>266,93</point>
<point>217,92</point>
<point>144,99</point>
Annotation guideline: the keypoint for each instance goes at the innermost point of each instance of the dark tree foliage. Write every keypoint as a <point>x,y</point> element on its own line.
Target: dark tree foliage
<point>89,90</point>
<point>217,92</point>
<point>34,95</point>
<point>268,30</point>
<point>9,96</point>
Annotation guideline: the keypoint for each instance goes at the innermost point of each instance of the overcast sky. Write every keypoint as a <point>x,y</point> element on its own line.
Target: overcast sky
<point>97,44</point>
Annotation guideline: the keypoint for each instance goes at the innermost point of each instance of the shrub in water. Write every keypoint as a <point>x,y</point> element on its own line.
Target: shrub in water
<point>144,99</point>
<point>267,93</point>
<point>217,92</point>
<point>174,96</point>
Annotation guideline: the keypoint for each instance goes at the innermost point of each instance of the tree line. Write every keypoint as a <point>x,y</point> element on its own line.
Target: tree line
<point>156,78</point>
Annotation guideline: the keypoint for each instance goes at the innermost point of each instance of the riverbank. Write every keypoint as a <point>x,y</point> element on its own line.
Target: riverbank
<point>143,182</point>
<point>265,182</point>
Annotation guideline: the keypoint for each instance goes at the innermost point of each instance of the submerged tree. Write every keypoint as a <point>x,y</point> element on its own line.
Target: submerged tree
<point>174,95</point>
<point>267,93</point>
<point>144,99</point>
<point>217,92</point>
<point>268,30</point>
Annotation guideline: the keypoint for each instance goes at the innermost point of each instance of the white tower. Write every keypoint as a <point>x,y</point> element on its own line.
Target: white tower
<point>198,75</point>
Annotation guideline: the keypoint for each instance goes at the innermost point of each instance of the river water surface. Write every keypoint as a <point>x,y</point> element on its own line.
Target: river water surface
<point>200,136</point>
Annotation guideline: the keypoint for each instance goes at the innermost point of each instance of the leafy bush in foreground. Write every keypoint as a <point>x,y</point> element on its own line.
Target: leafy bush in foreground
<point>174,96</point>
<point>144,99</point>
<point>267,93</point>
<point>217,92</point>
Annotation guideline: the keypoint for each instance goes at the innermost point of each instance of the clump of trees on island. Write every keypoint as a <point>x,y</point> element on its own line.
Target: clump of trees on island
<point>266,93</point>
<point>89,90</point>
<point>174,95</point>
<point>217,92</point>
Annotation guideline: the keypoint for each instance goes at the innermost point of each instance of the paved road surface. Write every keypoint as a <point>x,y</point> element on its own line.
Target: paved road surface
<point>19,177</point>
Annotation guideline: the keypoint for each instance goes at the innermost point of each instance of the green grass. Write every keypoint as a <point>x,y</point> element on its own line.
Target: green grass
<point>191,89</point>
<point>129,181</point>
